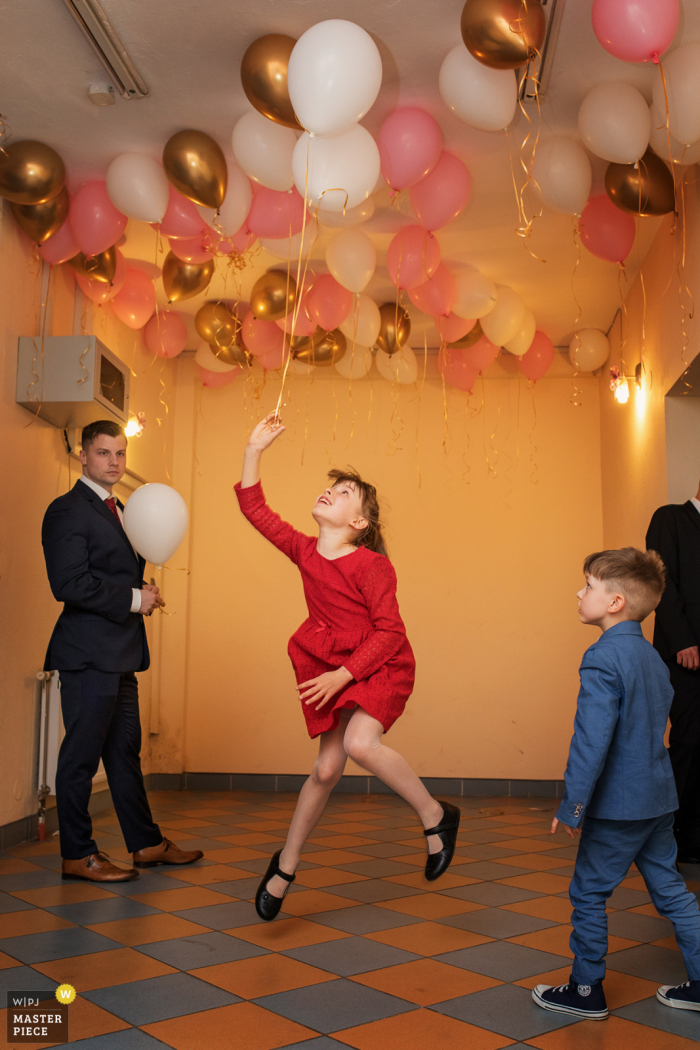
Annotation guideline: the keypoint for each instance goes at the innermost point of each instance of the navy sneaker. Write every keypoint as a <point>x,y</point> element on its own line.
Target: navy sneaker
<point>580,1000</point>
<point>682,997</point>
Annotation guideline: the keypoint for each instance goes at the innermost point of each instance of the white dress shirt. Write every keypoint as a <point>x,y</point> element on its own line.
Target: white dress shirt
<point>103,494</point>
<point>696,504</point>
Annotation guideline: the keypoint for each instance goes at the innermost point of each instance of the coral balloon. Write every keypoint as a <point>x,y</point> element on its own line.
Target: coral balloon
<point>635,30</point>
<point>41,222</point>
<point>195,165</point>
<point>412,256</point>
<point>324,348</point>
<point>475,294</point>
<point>561,174</point>
<point>194,250</point>
<point>394,329</point>
<point>260,337</point>
<point>155,520</point>
<point>352,257</point>
<point>291,248</point>
<point>96,222</point>
<point>340,171</point>
<point>181,220</point>
<point>436,294</point>
<point>452,328</point>
<point>482,97</point>
<point>645,188</point>
<point>137,187</point>
<point>243,239</point>
<point>328,303</point>
<point>410,142</point>
<point>99,291</point>
<point>682,73</point>
<point>135,303</point>
<point>273,296</point>
<point>401,367</point>
<point>470,339</point>
<point>614,122</point>
<point>274,359</point>
<point>605,230</point>
<point>441,195</point>
<point>535,363</point>
<point>363,323</point>
<point>215,379</point>
<point>183,280</point>
<point>61,247</point>
<point>522,340</point>
<point>264,78</point>
<point>456,369</point>
<point>275,214</point>
<point>589,350</point>
<point>482,354</point>
<point>503,322</point>
<point>30,172</point>
<point>100,267</point>
<point>165,334</point>
<point>264,151</point>
<point>503,34</point>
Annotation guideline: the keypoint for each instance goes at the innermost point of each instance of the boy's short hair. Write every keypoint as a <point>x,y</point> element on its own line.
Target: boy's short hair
<point>102,426</point>
<point>640,576</point>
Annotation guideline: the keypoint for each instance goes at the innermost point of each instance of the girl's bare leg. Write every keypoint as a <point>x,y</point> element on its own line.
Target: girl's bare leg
<point>363,744</point>
<point>312,801</point>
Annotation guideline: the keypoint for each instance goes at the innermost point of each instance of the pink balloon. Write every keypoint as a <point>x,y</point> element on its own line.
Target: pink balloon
<point>302,325</point>
<point>413,254</point>
<point>260,337</point>
<point>440,196</point>
<point>328,303</point>
<point>100,292</point>
<point>452,328</point>
<point>275,358</point>
<point>135,303</point>
<point>436,294</point>
<point>96,223</point>
<point>482,354</point>
<point>635,30</point>
<point>192,250</point>
<point>275,213</point>
<point>456,370</point>
<point>539,357</point>
<point>181,220</point>
<point>243,239</point>
<point>409,143</point>
<point>165,334</point>
<point>605,230</point>
<point>61,247</point>
<point>218,378</point>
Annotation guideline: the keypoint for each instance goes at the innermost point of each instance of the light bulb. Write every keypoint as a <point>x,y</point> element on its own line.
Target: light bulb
<point>622,391</point>
<point>134,427</point>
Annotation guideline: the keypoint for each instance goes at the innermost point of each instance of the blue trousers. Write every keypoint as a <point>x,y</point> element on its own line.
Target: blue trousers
<point>607,850</point>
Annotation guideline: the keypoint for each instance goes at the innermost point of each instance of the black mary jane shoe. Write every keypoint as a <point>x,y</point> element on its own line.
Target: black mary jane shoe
<point>438,863</point>
<point>266,905</point>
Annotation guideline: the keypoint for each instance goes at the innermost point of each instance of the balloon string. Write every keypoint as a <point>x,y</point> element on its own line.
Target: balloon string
<point>682,285</point>
<point>44,309</point>
<point>658,62</point>
<point>623,315</point>
<point>355,323</point>
<point>444,408</point>
<point>524,229</point>
<point>575,398</point>
<point>533,447</point>
<point>467,446</point>
<point>492,465</point>
<point>420,402</point>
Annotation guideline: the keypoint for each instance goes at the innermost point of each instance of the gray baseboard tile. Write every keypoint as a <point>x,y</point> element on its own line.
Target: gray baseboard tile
<point>25,830</point>
<point>461,787</point>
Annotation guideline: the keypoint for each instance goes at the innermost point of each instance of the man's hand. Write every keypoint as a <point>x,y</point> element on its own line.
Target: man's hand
<point>319,690</point>
<point>689,658</point>
<point>150,599</point>
<point>571,832</point>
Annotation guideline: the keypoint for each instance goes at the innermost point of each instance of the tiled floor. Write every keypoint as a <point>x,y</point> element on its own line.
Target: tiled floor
<point>365,954</point>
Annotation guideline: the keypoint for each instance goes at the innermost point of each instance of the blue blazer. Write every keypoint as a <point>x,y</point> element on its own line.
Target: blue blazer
<point>618,766</point>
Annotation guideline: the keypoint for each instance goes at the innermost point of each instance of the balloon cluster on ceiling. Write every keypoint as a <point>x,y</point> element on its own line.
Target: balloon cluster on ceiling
<point>303,159</point>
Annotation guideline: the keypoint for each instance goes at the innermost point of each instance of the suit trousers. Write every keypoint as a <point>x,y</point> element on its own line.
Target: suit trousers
<point>684,751</point>
<point>606,851</point>
<point>101,720</point>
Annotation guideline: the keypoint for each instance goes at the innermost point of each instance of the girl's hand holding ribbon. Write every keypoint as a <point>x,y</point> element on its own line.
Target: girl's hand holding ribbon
<point>320,690</point>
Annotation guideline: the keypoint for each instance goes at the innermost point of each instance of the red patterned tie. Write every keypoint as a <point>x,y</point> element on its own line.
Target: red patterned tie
<point>112,504</point>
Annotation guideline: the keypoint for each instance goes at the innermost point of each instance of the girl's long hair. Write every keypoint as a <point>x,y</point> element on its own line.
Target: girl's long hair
<point>372,537</point>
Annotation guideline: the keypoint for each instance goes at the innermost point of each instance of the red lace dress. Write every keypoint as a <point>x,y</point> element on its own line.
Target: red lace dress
<point>353,622</point>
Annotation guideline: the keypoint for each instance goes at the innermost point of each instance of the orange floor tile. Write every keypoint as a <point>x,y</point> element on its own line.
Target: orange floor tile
<point>265,975</point>
<point>420,1030</point>
<point>242,1026</point>
<point>426,981</point>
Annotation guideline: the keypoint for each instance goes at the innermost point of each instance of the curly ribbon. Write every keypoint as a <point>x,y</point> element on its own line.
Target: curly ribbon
<point>683,286</point>
<point>577,392</point>
<point>534,480</point>
<point>621,272</point>
<point>420,402</point>
<point>468,441</point>
<point>658,62</point>
<point>492,464</point>
<point>5,132</point>
<point>525,224</point>
<point>444,408</point>
<point>39,352</point>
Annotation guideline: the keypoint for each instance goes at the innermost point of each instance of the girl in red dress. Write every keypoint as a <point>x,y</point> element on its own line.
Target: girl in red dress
<point>353,662</point>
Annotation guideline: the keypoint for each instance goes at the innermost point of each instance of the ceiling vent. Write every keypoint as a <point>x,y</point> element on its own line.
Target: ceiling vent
<point>104,41</point>
<point>554,12</point>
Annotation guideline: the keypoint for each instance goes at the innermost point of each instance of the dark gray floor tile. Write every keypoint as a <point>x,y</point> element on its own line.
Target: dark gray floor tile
<point>504,961</point>
<point>351,955</point>
<point>203,949</point>
<point>489,870</point>
<point>380,869</point>
<point>637,927</point>
<point>491,893</point>
<point>624,898</point>
<point>57,944</point>
<point>565,853</point>
<point>392,834</point>
<point>149,881</point>
<point>373,890</point>
<point>8,904</point>
<point>158,998</point>
<point>508,1010</point>
<point>325,1042</point>
<point>23,978</point>
<point>495,922</point>
<point>363,919</point>
<point>650,962</point>
<point>244,889</point>
<point>50,862</point>
<point>222,916</point>
<point>30,880</point>
<point>654,1014</point>
<point>485,852</point>
<point>335,1005</point>
<point>567,872</point>
<point>386,850</point>
<point>481,838</point>
<point>260,864</point>
<point>129,1039</point>
<point>88,912</point>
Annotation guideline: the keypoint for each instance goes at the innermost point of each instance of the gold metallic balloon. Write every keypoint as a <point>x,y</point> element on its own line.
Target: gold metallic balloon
<point>264,78</point>
<point>41,221</point>
<point>323,348</point>
<point>100,267</point>
<point>216,325</point>
<point>183,280</point>
<point>30,172</point>
<point>467,340</point>
<point>503,34</point>
<point>395,328</point>
<point>196,167</point>
<point>273,296</point>
<point>644,188</point>
<point>231,355</point>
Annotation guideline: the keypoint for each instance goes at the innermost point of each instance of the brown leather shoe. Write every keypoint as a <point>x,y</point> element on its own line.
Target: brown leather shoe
<point>166,853</point>
<point>96,868</point>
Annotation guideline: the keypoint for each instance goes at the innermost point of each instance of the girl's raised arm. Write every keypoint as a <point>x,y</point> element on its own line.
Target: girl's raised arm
<point>262,437</point>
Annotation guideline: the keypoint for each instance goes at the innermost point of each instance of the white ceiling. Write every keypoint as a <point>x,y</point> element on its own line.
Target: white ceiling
<point>189,55</point>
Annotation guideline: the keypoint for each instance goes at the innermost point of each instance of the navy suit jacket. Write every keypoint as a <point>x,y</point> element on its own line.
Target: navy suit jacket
<point>618,766</point>
<point>674,532</point>
<point>93,569</point>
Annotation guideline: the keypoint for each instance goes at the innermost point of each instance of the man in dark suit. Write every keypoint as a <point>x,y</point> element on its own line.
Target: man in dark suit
<point>97,644</point>
<point>675,533</point>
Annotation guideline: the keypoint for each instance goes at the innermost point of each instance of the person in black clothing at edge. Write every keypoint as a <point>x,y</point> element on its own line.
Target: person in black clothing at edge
<point>674,532</point>
<point>97,644</point>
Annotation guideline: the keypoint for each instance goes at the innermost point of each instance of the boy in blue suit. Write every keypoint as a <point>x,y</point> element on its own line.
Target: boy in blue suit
<point>620,793</point>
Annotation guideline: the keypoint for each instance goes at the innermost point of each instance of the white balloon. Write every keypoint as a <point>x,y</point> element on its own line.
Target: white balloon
<point>614,122</point>
<point>522,340</point>
<point>346,164</point>
<point>137,186</point>
<point>333,76</point>
<point>363,322</point>
<point>300,368</point>
<point>355,362</point>
<point>289,247</point>
<point>502,323</point>
<point>680,153</point>
<point>264,150</point>
<point>353,216</point>
<point>475,294</point>
<point>482,97</point>
<point>351,257</point>
<point>561,173</point>
<point>155,520</point>
<point>206,358</point>
<point>682,72</point>
<point>401,367</point>
<point>234,211</point>
<point>588,350</point>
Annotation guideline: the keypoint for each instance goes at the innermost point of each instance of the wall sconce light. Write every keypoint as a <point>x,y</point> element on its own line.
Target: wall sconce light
<point>619,383</point>
<point>134,428</point>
